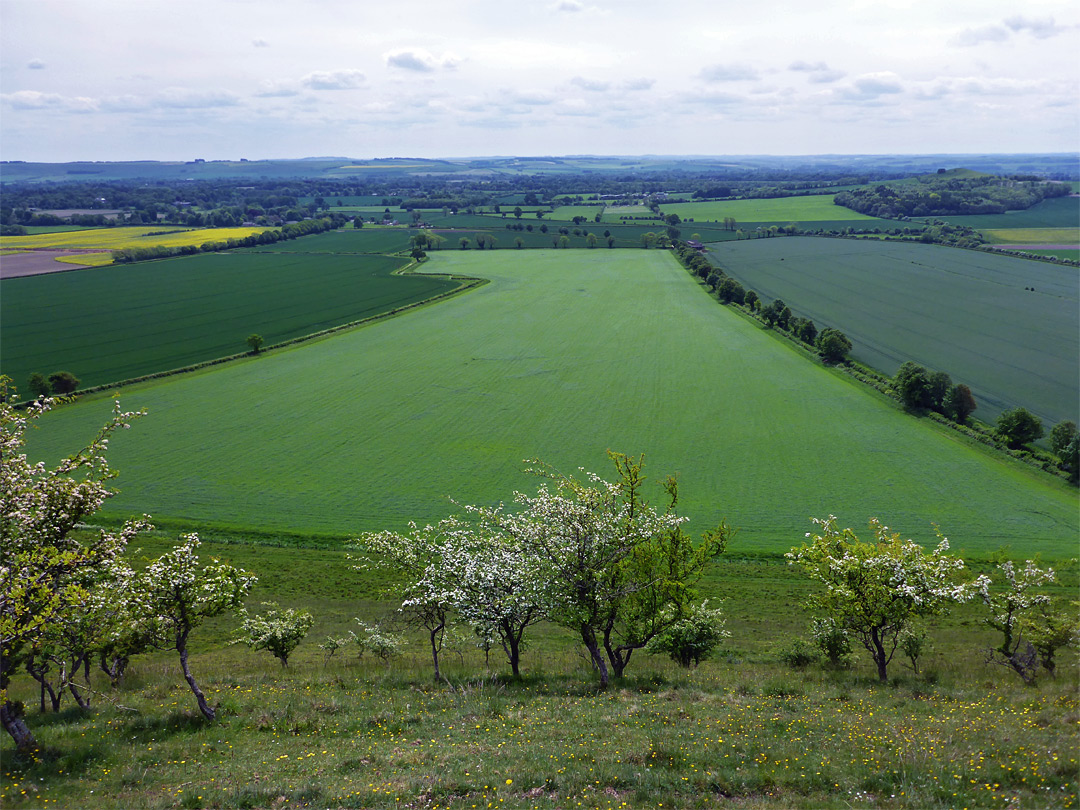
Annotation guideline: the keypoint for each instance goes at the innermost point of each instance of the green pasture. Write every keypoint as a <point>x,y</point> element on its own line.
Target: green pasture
<point>960,311</point>
<point>568,212</point>
<point>806,210</point>
<point>119,322</point>
<point>1058,212</point>
<point>562,360</point>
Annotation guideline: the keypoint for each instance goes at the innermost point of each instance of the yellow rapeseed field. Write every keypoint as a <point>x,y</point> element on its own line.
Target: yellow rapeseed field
<point>124,237</point>
<point>88,259</point>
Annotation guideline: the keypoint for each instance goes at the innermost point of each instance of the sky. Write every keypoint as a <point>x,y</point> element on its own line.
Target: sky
<point>258,79</point>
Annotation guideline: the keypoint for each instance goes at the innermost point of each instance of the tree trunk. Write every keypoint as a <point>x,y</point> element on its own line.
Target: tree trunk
<point>204,707</point>
<point>435,649</point>
<point>11,716</point>
<point>512,647</point>
<point>114,668</point>
<point>880,658</point>
<point>589,638</point>
<point>84,703</point>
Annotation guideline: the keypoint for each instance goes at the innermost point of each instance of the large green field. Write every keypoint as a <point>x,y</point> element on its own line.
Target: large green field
<point>964,312</point>
<point>560,360</point>
<point>807,209</point>
<point>116,323</point>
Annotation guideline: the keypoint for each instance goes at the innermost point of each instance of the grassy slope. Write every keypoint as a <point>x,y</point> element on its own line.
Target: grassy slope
<point>116,323</point>
<point>960,311</point>
<point>559,360</point>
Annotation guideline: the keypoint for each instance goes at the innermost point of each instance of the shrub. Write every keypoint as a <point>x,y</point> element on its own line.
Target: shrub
<point>799,654</point>
<point>693,638</point>
<point>833,642</point>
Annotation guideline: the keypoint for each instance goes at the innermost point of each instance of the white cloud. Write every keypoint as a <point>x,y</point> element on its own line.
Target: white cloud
<point>590,85</point>
<point>735,72</point>
<point>272,88</point>
<point>1043,28</point>
<point>569,6</point>
<point>817,72</point>
<point>419,60</point>
<point>333,80</point>
<point>35,64</point>
<point>260,43</point>
<point>636,85</point>
<point>1040,29</point>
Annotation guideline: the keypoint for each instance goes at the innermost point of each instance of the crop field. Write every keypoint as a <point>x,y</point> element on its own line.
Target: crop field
<point>1033,236</point>
<point>1059,212</point>
<point>378,426</point>
<point>121,322</point>
<point>87,259</point>
<point>566,213</point>
<point>963,312</point>
<point>126,237</point>
<point>360,240</point>
<point>782,210</point>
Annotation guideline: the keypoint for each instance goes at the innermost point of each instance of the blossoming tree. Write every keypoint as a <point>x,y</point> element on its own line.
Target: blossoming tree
<point>875,589</point>
<point>43,567</point>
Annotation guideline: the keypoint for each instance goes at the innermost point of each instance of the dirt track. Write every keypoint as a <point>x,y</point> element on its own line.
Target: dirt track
<point>39,262</point>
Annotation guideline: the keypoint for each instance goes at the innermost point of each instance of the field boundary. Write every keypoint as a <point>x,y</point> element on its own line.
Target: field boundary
<point>466,283</point>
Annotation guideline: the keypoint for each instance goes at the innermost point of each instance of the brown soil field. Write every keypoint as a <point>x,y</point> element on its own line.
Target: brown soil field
<point>38,262</point>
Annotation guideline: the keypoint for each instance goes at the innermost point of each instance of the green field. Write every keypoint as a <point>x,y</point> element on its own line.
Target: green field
<point>963,312</point>
<point>363,240</point>
<point>116,323</point>
<point>1059,212</point>
<point>806,210</point>
<point>560,360</point>
<point>1033,236</point>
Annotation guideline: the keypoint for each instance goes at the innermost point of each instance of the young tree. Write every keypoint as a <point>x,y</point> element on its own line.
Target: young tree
<point>42,566</point>
<point>937,388</point>
<point>1007,613</point>
<point>610,564</point>
<point>693,638</point>
<point>874,590</point>
<point>1019,427</point>
<point>175,594</point>
<point>1065,444</point>
<point>277,631</point>
<point>254,342</point>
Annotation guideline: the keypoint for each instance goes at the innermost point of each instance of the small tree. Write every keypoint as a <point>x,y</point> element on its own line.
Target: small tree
<point>63,382</point>
<point>959,403</point>
<point>1008,609</point>
<point>1065,444</point>
<point>912,385</point>
<point>277,631</point>
<point>39,386</point>
<point>833,345</point>
<point>693,638</point>
<point>875,590</point>
<point>175,594</point>
<point>254,342</point>
<point>1019,427</point>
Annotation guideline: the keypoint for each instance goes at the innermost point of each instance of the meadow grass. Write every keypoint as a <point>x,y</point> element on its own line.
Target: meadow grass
<point>137,236</point>
<point>967,313</point>
<point>781,210</point>
<point>118,323</point>
<point>560,360</point>
<point>741,730</point>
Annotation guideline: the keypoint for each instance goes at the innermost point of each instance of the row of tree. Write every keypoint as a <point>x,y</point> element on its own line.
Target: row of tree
<point>986,194</point>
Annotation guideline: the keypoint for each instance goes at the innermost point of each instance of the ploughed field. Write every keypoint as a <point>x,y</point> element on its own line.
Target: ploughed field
<point>964,312</point>
<point>562,360</point>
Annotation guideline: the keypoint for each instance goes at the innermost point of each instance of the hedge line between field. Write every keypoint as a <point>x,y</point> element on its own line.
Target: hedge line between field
<point>976,431</point>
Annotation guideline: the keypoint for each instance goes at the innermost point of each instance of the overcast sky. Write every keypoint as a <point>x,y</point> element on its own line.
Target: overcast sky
<point>176,80</point>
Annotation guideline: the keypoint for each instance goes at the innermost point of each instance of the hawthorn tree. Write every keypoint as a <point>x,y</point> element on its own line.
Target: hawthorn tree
<point>44,568</point>
<point>174,594</point>
<point>959,403</point>
<point>874,590</point>
<point>277,631</point>
<point>617,571</point>
<point>832,344</point>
